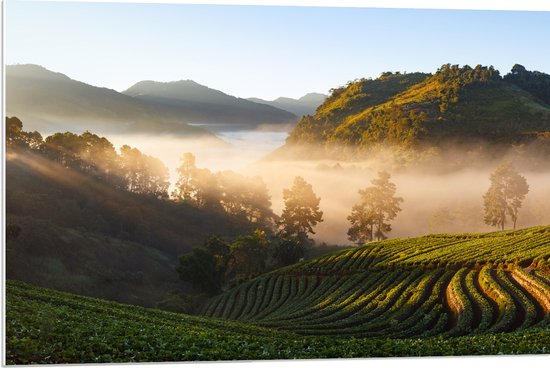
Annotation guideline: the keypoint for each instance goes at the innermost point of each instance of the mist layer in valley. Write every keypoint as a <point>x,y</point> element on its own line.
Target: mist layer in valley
<point>436,200</point>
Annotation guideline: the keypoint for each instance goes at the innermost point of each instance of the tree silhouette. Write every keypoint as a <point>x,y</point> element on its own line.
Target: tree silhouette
<point>184,188</point>
<point>378,205</point>
<point>505,196</point>
<point>301,212</point>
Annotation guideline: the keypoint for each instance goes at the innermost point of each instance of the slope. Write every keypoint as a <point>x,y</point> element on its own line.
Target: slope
<point>437,285</point>
<point>46,326</point>
<point>470,106</point>
<point>82,235</point>
<point>49,102</point>
<point>203,105</point>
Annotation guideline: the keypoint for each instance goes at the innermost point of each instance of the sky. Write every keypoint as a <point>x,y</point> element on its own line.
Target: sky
<point>263,51</point>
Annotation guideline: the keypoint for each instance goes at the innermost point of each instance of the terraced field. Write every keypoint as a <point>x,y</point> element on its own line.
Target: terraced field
<point>467,294</point>
<point>438,285</point>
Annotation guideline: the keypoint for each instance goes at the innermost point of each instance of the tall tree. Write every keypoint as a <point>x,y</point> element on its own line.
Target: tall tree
<point>505,196</point>
<point>184,188</point>
<point>378,205</point>
<point>301,213</point>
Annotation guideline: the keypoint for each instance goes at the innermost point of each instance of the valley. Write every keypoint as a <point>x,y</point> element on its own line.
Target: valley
<point>371,223</point>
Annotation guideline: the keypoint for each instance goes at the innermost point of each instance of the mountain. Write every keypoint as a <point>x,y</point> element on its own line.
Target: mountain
<point>455,105</point>
<point>305,105</point>
<point>49,102</point>
<point>207,106</point>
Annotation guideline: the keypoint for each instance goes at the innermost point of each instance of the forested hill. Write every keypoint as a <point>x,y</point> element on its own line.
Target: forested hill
<point>95,222</point>
<point>455,104</point>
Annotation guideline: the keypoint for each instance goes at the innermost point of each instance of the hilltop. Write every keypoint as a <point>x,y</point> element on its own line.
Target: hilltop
<point>456,106</point>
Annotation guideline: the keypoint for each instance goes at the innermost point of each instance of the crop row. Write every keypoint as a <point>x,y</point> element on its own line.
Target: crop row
<point>45,326</point>
<point>531,246</point>
<point>392,303</point>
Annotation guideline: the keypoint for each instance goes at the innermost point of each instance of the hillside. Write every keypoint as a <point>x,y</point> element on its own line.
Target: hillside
<point>46,326</point>
<point>82,235</point>
<point>202,105</point>
<point>49,102</point>
<point>305,105</point>
<point>437,285</point>
<point>455,106</point>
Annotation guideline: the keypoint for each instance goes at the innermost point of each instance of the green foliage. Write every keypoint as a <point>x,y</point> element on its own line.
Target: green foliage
<point>45,326</point>
<point>534,82</point>
<point>288,251</point>
<point>200,268</point>
<point>217,264</point>
<point>418,112</point>
<point>349,100</point>
<point>249,256</point>
<point>448,285</point>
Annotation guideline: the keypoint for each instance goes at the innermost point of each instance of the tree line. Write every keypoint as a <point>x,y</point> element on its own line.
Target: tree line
<point>277,240</point>
<point>94,156</point>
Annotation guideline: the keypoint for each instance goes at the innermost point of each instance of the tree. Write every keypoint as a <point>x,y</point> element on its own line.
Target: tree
<point>247,197</point>
<point>249,256</point>
<point>505,196</point>
<point>144,174</point>
<point>301,212</point>
<point>17,138</point>
<point>378,205</point>
<point>362,218</point>
<point>199,268</point>
<point>184,188</point>
<point>287,252</point>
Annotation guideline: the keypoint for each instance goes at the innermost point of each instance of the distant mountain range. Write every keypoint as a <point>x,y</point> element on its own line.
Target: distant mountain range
<point>456,106</point>
<point>47,101</point>
<point>305,105</point>
<point>203,105</point>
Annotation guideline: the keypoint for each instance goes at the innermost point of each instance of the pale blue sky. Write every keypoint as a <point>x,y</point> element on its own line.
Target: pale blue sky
<point>266,52</point>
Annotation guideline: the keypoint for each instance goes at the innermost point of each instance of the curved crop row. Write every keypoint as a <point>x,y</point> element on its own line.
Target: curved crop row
<point>452,285</point>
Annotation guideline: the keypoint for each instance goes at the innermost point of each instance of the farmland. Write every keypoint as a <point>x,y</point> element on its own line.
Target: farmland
<point>466,294</point>
<point>46,326</point>
<point>438,285</point>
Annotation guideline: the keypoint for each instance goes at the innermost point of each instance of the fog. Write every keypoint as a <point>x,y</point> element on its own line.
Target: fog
<point>424,191</point>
